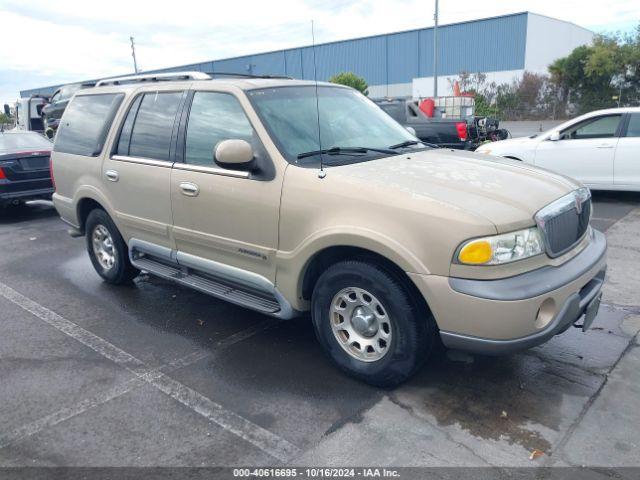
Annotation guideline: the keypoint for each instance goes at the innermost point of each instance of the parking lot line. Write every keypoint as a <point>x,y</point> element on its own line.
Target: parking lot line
<point>263,439</point>
<point>103,397</point>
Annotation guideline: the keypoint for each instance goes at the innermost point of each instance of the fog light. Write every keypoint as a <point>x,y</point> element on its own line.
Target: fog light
<point>546,313</point>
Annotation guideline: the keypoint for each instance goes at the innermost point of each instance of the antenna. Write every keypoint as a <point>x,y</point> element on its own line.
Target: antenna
<point>322,173</point>
<point>133,54</point>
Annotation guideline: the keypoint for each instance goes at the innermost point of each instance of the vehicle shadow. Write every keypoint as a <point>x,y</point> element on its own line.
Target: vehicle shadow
<point>36,210</point>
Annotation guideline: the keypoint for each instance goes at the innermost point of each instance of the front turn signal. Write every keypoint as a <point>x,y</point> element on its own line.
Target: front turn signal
<point>476,252</point>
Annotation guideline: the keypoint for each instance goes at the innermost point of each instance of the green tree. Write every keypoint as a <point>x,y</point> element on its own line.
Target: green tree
<point>4,118</point>
<point>351,80</point>
<point>593,76</point>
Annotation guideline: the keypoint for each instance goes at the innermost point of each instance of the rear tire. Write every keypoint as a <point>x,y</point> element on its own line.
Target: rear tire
<point>107,249</point>
<point>370,324</point>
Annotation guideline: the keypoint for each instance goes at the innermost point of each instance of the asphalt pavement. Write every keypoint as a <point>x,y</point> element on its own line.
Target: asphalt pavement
<point>154,374</point>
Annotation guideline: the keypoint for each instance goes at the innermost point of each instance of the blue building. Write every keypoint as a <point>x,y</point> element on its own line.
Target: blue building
<point>401,64</point>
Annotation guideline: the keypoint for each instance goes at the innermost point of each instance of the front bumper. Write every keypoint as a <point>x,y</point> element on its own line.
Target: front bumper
<point>506,315</point>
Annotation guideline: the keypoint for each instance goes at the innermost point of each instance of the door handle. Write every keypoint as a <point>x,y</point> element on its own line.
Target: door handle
<point>112,175</point>
<point>189,189</point>
<point>605,145</point>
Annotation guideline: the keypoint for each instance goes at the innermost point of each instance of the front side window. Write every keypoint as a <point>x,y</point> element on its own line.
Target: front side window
<point>633,129</point>
<point>85,124</point>
<point>214,117</point>
<point>150,136</point>
<point>601,127</point>
<point>346,119</point>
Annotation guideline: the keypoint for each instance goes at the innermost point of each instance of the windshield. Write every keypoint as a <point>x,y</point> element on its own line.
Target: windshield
<point>16,142</point>
<point>348,120</point>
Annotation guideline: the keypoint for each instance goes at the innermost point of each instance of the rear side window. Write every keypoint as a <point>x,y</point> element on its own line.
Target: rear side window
<point>633,129</point>
<point>85,124</point>
<point>148,127</point>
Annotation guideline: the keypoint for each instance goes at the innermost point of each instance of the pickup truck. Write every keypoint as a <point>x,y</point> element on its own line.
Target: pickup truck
<point>444,132</point>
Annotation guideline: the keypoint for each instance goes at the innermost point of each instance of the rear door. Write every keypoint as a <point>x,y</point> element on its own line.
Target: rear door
<point>627,159</point>
<point>585,150</point>
<point>137,174</point>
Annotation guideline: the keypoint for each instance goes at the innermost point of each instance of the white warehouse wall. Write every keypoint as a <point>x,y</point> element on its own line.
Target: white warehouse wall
<point>549,39</point>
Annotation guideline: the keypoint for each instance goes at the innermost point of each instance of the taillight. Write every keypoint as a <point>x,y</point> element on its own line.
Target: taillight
<point>2,175</point>
<point>53,180</point>
<point>461,127</point>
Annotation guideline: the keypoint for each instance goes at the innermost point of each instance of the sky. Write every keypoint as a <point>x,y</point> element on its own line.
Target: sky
<point>63,41</point>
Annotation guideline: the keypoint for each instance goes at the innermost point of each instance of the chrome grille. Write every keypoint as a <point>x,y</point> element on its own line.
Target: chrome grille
<point>564,222</point>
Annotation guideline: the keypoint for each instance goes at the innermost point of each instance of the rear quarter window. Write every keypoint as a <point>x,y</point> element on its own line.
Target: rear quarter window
<point>85,124</point>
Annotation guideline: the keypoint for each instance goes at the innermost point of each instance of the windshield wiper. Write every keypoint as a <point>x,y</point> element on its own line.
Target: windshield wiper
<point>345,151</point>
<point>409,143</point>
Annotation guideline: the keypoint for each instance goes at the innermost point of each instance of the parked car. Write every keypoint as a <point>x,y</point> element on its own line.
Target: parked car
<point>601,149</point>
<point>24,167</point>
<point>444,132</point>
<point>225,187</point>
<point>53,111</point>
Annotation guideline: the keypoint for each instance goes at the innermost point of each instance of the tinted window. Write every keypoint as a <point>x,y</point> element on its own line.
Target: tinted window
<point>85,124</point>
<point>633,129</point>
<point>601,127</point>
<point>151,134</point>
<point>396,110</point>
<point>68,91</point>
<point>214,117</point>
<point>125,134</point>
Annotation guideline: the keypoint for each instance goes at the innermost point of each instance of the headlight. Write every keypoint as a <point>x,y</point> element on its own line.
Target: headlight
<point>499,249</point>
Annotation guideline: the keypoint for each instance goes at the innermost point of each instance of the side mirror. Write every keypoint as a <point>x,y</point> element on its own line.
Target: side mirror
<point>411,130</point>
<point>234,154</point>
<point>555,136</point>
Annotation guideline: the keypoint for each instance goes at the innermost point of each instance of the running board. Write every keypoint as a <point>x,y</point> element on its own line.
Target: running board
<point>262,302</point>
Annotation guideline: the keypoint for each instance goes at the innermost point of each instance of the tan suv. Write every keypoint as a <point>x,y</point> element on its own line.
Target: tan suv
<point>285,197</point>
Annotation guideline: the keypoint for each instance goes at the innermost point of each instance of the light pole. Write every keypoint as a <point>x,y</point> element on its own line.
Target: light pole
<point>435,52</point>
<point>133,54</point>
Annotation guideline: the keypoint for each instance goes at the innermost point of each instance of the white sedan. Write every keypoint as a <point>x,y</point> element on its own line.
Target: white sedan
<point>601,149</point>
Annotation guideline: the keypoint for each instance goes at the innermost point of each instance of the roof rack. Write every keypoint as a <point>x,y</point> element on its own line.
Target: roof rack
<point>154,77</point>
<point>247,75</point>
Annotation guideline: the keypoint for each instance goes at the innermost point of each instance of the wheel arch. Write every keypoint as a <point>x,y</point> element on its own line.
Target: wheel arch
<point>88,200</point>
<point>331,255</point>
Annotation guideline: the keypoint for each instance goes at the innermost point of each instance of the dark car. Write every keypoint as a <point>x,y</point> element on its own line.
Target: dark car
<point>24,167</point>
<point>52,113</point>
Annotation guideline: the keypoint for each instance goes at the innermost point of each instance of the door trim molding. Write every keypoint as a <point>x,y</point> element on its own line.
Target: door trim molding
<point>213,170</point>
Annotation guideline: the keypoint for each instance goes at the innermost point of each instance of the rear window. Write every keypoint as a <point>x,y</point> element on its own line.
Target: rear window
<point>16,142</point>
<point>85,124</point>
<point>147,129</point>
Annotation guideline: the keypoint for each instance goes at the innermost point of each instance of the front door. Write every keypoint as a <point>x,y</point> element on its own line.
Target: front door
<point>137,175</point>
<point>227,217</point>
<point>627,162</point>
<point>585,150</point>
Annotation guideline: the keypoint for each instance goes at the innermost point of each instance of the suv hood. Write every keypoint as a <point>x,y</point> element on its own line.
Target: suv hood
<point>505,192</point>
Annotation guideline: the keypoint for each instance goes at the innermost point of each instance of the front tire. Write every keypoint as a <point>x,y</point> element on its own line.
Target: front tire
<point>107,250</point>
<point>370,324</point>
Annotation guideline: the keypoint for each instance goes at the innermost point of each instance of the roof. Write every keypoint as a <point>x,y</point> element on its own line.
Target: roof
<point>242,83</point>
